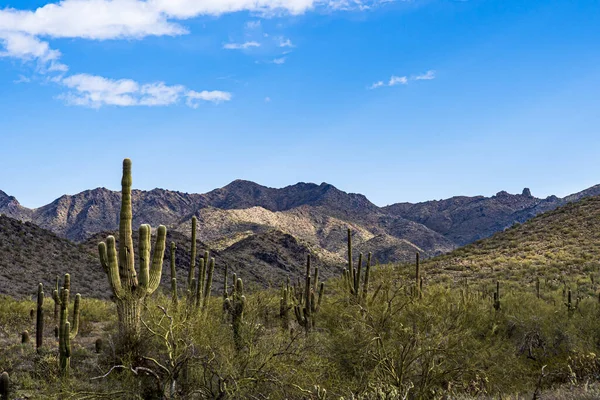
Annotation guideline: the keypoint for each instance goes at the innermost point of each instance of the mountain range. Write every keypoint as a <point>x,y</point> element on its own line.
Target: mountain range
<point>267,232</point>
<point>316,215</point>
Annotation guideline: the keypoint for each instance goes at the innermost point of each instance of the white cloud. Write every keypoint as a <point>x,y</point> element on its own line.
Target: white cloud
<point>29,48</point>
<point>240,46</point>
<point>22,79</point>
<point>283,42</point>
<point>111,19</point>
<point>253,24</point>
<point>402,80</point>
<point>426,76</point>
<point>96,91</point>
<point>279,61</point>
<point>267,99</point>
<point>397,80</point>
<point>25,35</point>
<point>215,96</point>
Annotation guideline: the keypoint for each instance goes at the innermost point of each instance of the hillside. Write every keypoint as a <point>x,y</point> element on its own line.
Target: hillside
<point>30,254</point>
<point>562,244</point>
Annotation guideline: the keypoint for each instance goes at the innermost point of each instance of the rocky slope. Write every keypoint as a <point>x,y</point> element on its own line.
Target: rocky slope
<point>561,245</point>
<point>30,255</point>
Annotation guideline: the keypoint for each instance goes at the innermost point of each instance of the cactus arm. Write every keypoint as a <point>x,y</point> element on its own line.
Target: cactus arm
<point>114,277</point>
<point>321,290</point>
<point>157,259</point>
<point>103,259</point>
<point>144,254</point>
<point>76,308</point>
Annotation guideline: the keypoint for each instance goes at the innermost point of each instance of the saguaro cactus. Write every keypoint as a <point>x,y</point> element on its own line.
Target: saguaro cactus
<point>235,306</point>
<point>417,277</point>
<point>56,303</point>
<point>128,289</point>
<point>66,332</point>
<point>193,261</point>
<point>39,323</point>
<point>175,298</point>
<point>308,305</point>
<point>352,275</point>
<point>285,305</point>
<point>497,296</point>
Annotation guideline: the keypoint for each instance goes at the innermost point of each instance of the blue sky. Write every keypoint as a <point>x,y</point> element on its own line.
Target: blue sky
<point>398,100</point>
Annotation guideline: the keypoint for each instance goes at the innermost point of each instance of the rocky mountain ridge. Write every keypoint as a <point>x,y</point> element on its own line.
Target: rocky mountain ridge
<point>318,215</point>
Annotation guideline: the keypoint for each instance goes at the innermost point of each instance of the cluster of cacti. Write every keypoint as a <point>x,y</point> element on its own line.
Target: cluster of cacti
<point>198,290</point>
<point>569,303</point>
<point>206,268</point>
<point>352,275</point>
<point>234,305</point>
<point>66,332</point>
<point>4,386</point>
<point>129,289</point>
<point>308,301</point>
<point>39,323</point>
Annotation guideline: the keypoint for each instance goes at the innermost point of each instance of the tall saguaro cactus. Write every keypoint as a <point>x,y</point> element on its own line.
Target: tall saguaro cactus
<point>351,275</point>
<point>128,288</point>
<point>235,307</point>
<point>175,298</point>
<point>39,323</point>
<point>418,282</point>
<point>193,255</point>
<point>67,332</point>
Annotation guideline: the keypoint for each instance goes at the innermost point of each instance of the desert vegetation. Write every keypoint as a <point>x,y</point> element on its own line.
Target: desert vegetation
<point>419,330</point>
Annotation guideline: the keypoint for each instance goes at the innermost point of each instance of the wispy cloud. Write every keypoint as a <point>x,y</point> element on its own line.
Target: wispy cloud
<point>397,80</point>
<point>377,85</point>
<point>96,91</point>
<point>253,24</point>
<point>279,61</point>
<point>240,46</point>
<point>283,42</point>
<point>267,99</point>
<point>402,80</point>
<point>426,76</point>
